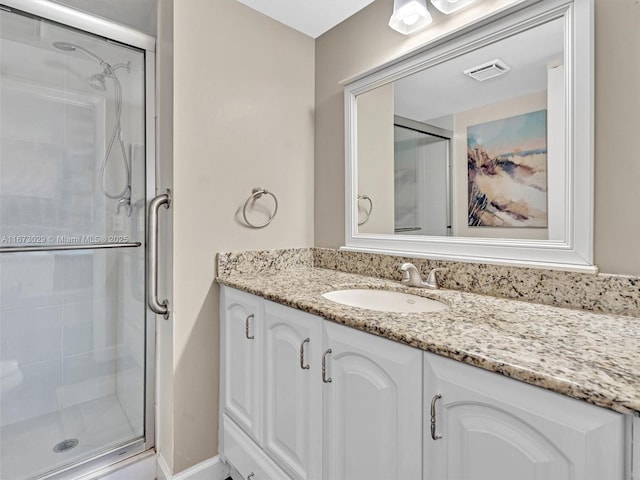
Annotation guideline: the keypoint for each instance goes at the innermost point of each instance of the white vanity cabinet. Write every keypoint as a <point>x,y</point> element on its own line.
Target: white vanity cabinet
<point>372,407</point>
<point>489,427</point>
<point>305,398</point>
<point>359,418</point>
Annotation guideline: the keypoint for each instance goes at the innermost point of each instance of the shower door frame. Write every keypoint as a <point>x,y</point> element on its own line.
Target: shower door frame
<point>119,34</point>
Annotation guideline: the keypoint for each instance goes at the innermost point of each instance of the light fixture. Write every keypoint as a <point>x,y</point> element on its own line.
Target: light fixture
<point>450,6</point>
<point>409,16</point>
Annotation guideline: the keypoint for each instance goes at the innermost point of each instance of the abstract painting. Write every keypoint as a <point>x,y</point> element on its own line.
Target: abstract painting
<point>507,168</point>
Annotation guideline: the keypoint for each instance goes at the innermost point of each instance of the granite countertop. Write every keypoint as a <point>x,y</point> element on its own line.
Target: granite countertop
<point>589,356</point>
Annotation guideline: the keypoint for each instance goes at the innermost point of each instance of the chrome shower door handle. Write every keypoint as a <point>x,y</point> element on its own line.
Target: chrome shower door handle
<point>161,308</point>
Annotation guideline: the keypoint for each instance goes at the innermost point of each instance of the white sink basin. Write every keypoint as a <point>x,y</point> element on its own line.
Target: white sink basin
<point>385,301</point>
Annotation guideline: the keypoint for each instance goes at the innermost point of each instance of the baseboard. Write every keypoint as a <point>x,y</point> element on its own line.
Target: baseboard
<point>210,469</point>
<point>163,471</point>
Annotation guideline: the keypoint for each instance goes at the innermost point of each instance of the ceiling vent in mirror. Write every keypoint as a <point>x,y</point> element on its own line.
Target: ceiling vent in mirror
<point>487,70</point>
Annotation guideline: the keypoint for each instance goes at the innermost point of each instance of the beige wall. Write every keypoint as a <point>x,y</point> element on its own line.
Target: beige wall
<point>616,142</point>
<point>243,117</point>
<point>364,41</point>
<point>164,179</point>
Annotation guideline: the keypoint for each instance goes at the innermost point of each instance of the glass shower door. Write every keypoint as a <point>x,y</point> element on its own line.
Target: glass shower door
<point>72,259</point>
<point>421,183</point>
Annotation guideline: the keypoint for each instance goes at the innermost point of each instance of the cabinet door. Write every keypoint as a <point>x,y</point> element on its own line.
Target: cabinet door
<point>241,351</point>
<point>293,391</point>
<point>495,428</point>
<point>372,407</point>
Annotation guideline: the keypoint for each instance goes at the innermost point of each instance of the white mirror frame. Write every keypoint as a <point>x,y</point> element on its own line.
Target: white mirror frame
<point>575,251</point>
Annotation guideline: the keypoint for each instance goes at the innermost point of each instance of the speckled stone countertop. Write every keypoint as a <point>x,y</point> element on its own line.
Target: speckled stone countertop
<point>589,356</point>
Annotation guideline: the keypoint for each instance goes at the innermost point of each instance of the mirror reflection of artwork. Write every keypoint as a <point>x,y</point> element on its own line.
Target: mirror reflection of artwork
<point>507,168</point>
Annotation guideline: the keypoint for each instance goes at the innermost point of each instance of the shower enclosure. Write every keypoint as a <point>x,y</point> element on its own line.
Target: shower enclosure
<point>422,178</point>
<point>76,173</point>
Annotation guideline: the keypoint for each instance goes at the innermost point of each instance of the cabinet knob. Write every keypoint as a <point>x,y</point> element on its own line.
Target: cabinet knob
<point>433,417</point>
<point>251,475</point>
<point>246,327</point>
<point>324,367</point>
<point>302,365</point>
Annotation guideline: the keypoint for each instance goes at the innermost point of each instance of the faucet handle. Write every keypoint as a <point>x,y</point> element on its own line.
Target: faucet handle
<point>411,275</point>
<point>405,268</point>
<point>432,279</point>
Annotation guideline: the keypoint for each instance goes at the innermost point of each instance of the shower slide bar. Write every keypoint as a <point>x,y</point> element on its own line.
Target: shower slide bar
<point>75,246</point>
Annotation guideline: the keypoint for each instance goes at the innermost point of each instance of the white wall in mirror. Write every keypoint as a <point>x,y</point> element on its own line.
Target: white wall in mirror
<point>527,203</point>
<point>377,148</point>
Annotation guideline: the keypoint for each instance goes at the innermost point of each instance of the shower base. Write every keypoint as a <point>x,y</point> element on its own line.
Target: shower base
<point>29,447</point>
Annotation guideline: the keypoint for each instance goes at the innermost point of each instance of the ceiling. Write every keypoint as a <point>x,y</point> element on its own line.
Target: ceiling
<point>311,17</point>
<point>442,89</point>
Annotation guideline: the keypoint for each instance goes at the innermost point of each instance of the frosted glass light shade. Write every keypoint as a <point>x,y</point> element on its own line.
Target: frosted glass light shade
<point>450,6</point>
<point>409,16</point>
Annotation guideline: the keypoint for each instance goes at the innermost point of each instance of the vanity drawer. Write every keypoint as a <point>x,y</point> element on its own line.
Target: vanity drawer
<point>244,455</point>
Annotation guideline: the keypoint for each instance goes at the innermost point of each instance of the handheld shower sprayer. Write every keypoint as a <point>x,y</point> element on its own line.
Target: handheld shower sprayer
<point>72,47</point>
<point>98,82</point>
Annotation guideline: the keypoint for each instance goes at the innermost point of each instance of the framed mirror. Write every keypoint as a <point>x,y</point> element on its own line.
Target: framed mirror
<point>480,147</point>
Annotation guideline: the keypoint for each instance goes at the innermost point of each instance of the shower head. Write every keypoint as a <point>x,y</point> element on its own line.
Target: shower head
<point>97,81</point>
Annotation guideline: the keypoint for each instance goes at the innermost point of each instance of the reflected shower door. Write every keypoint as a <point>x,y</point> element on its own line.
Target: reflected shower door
<point>72,260</point>
<point>421,183</point>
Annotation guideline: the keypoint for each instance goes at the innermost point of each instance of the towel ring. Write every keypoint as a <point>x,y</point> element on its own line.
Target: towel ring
<point>256,193</point>
<point>366,197</point>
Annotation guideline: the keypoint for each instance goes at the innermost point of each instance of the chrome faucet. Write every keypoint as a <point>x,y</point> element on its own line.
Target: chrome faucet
<point>411,276</point>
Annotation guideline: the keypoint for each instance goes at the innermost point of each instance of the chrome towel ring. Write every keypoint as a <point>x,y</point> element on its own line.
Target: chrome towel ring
<point>256,193</point>
<point>368,213</point>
